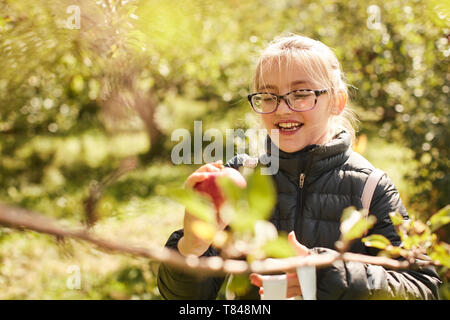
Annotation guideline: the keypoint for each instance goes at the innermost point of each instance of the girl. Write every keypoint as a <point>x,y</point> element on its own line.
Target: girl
<point>300,93</point>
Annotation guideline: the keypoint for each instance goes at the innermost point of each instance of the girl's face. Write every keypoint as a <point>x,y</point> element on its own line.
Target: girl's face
<point>306,128</point>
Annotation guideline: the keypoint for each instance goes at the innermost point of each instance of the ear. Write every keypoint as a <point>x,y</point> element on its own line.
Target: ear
<point>339,102</point>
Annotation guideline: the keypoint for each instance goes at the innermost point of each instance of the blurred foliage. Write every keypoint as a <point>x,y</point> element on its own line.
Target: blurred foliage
<point>74,102</point>
<point>58,82</point>
<point>420,242</point>
<point>417,238</point>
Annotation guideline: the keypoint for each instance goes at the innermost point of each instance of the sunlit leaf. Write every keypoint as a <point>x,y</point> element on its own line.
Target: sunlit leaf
<point>393,251</point>
<point>264,231</point>
<point>410,241</point>
<point>242,222</point>
<point>261,195</point>
<point>439,219</point>
<point>396,218</point>
<point>77,83</point>
<point>251,204</point>
<point>376,241</point>
<point>195,203</point>
<point>279,248</point>
<point>354,224</point>
<point>239,284</point>
<point>232,192</point>
<point>441,253</point>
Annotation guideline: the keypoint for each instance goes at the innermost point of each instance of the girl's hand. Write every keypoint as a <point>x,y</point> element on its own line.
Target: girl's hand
<point>190,244</point>
<point>293,286</point>
<point>202,173</point>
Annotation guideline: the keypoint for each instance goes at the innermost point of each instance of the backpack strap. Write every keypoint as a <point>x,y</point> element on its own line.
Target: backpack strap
<point>369,188</point>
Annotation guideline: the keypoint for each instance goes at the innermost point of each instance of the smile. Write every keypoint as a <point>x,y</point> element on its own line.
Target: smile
<point>289,126</point>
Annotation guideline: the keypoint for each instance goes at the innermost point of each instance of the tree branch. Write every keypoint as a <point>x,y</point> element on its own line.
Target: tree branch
<point>24,219</point>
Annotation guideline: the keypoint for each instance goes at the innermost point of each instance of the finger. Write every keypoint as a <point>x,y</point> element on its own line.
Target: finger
<point>218,164</point>
<point>293,292</point>
<point>202,173</point>
<point>256,279</point>
<point>292,277</point>
<point>195,178</point>
<point>300,249</point>
<point>209,167</point>
<point>293,286</point>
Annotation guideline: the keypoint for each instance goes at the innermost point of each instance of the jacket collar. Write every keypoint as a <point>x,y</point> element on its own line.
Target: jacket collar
<point>314,159</point>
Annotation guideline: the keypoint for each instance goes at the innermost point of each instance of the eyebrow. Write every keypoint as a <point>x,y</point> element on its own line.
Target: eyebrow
<point>294,83</point>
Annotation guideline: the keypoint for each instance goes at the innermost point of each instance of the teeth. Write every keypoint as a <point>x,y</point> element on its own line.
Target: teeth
<point>288,124</point>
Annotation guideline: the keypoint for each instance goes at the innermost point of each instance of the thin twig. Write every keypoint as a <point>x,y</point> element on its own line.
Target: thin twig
<point>97,188</point>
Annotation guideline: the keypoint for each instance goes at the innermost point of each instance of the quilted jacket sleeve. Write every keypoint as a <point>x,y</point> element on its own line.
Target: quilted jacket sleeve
<point>354,280</point>
<point>174,284</point>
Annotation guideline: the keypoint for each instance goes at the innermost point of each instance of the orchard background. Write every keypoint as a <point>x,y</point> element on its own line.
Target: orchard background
<point>85,85</point>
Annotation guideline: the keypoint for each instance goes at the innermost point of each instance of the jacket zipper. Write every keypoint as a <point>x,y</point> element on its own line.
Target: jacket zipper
<point>300,196</point>
<point>301,180</point>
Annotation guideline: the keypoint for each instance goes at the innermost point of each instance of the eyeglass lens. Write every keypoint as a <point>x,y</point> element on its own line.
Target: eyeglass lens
<point>297,100</point>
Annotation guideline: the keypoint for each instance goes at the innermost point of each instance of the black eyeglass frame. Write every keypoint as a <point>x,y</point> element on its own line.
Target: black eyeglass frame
<point>316,92</point>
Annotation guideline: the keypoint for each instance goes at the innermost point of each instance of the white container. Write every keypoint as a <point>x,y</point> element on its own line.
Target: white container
<point>275,287</point>
<point>307,280</point>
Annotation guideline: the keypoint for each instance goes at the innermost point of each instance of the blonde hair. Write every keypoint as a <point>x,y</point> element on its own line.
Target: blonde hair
<point>319,64</point>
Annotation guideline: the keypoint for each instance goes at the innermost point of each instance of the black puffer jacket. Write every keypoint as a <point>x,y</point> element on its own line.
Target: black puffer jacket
<point>314,186</point>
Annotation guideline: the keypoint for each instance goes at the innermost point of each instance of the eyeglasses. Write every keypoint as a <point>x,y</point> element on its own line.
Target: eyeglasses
<point>297,100</point>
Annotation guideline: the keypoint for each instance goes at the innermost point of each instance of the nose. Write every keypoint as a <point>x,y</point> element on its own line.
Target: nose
<point>283,108</point>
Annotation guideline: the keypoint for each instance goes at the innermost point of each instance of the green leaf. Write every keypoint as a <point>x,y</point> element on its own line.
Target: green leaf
<point>411,241</point>
<point>230,190</point>
<point>251,204</point>
<point>354,224</point>
<point>439,219</point>
<point>239,284</point>
<point>396,218</point>
<point>261,195</point>
<point>279,248</point>
<point>242,222</point>
<point>237,199</point>
<point>441,253</point>
<point>376,241</point>
<point>77,84</point>
<point>393,251</point>
<point>196,204</point>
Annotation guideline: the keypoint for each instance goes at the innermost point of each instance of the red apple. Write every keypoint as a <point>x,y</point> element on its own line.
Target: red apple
<point>210,187</point>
